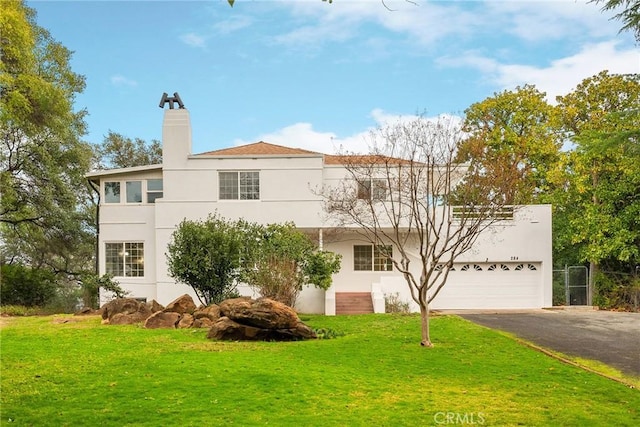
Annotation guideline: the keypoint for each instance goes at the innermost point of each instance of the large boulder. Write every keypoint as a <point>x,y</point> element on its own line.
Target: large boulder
<point>230,330</point>
<point>154,306</point>
<point>257,320</point>
<point>261,313</point>
<point>211,312</point>
<point>127,310</point>
<point>181,305</point>
<point>186,321</point>
<point>127,318</point>
<point>162,320</point>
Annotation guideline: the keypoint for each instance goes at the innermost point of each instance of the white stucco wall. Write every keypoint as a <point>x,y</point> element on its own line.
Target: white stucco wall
<point>288,192</point>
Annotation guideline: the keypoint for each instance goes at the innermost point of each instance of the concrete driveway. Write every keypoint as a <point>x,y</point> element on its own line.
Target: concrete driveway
<point>610,337</point>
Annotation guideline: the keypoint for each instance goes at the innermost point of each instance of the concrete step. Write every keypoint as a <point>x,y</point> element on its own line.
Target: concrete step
<point>353,303</point>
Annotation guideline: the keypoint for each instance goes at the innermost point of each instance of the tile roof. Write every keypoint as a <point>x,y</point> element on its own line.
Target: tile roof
<point>363,159</point>
<point>262,148</point>
<point>258,149</point>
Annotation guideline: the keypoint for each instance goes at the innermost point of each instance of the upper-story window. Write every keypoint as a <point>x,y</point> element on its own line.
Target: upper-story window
<point>372,189</point>
<point>244,185</point>
<point>154,190</point>
<point>133,191</point>
<point>112,192</point>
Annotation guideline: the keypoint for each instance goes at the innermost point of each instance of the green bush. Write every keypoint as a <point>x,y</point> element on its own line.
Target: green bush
<point>393,304</point>
<point>617,291</point>
<point>22,285</point>
<point>19,310</point>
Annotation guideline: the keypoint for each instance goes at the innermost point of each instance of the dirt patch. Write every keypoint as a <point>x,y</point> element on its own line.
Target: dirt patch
<point>5,320</point>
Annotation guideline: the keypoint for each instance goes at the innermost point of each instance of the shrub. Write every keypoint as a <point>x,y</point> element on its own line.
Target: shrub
<point>393,304</point>
<point>19,310</point>
<point>22,285</point>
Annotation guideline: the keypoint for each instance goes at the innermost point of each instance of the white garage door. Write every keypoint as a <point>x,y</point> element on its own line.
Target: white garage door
<point>505,285</point>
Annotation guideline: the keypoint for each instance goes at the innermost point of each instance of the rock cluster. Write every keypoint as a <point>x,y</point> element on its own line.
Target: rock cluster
<point>235,319</point>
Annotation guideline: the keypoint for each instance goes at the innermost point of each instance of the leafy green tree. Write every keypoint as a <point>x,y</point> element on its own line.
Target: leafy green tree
<point>511,138</point>
<point>23,285</point>
<point>43,161</point>
<point>207,255</point>
<point>117,151</point>
<point>629,15</point>
<point>599,189</point>
<point>284,259</point>
<point>212,256</point>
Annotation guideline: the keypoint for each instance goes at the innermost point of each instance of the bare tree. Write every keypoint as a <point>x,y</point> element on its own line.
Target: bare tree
<point>413,202</point>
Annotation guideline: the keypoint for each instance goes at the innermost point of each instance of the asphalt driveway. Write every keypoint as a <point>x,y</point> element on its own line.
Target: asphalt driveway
<point>610,337</point>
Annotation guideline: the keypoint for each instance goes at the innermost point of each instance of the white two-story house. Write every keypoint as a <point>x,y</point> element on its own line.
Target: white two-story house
<point>140,208</point>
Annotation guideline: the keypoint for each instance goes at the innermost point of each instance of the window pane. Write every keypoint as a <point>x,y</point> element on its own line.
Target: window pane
<point>364,189</point>
<point>154,190</point>
<point>381,262</point>
<point>134,191</point>
<point>362,257</point>
<point>114,259</point>
<point>379,190</point>
<point>228,185</point>
<point>134,259</point>
<point>112,192</point>
<point>154,185</point>
<point>249,185</point>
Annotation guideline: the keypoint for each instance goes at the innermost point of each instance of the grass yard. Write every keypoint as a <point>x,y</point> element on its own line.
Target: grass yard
<point>83,373</point>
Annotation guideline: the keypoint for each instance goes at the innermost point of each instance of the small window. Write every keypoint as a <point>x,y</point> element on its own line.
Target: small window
<point>134,191</point>
<point>239,185</point>
<point>465,267</point>
<point>531,267</point>
<point>112,192</point>
<point>154,190</point>
<point>372,189</point>
<point>438,267</point>
<point>504,267</point>
<point>476,267</point>
<point>492,267</point>
<point>519,267</point>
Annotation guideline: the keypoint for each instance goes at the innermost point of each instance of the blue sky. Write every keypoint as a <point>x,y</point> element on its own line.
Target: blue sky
<point>314,75</point>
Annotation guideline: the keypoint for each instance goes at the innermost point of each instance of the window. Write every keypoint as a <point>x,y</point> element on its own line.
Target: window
<point>154,190</point>
<point>125,259</point>
<point>370,258</point>
<point>134,191</point>
<point>239,185</point>
<point>112,192</point>
<point>372,189</point>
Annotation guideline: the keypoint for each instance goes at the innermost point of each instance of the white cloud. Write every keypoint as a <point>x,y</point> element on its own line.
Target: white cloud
<point>193,40</point>
<point>561,75</point>
<point>551,19</point>
<point>120,81</point>
<point>302,135</point>
<point>423,22</point>
<point>232,24</point>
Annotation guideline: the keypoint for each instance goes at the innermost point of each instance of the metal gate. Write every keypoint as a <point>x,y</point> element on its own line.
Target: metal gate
<point>574,281</point>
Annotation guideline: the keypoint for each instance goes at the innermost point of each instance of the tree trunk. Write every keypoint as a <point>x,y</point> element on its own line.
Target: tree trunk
<point>593,270</point>
<point>424,317</point>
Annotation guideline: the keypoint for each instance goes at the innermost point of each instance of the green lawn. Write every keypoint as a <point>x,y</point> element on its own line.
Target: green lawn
<point>84,373</point>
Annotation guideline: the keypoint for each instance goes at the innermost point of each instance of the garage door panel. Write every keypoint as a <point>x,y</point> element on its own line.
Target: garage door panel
<point>492,285</point>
